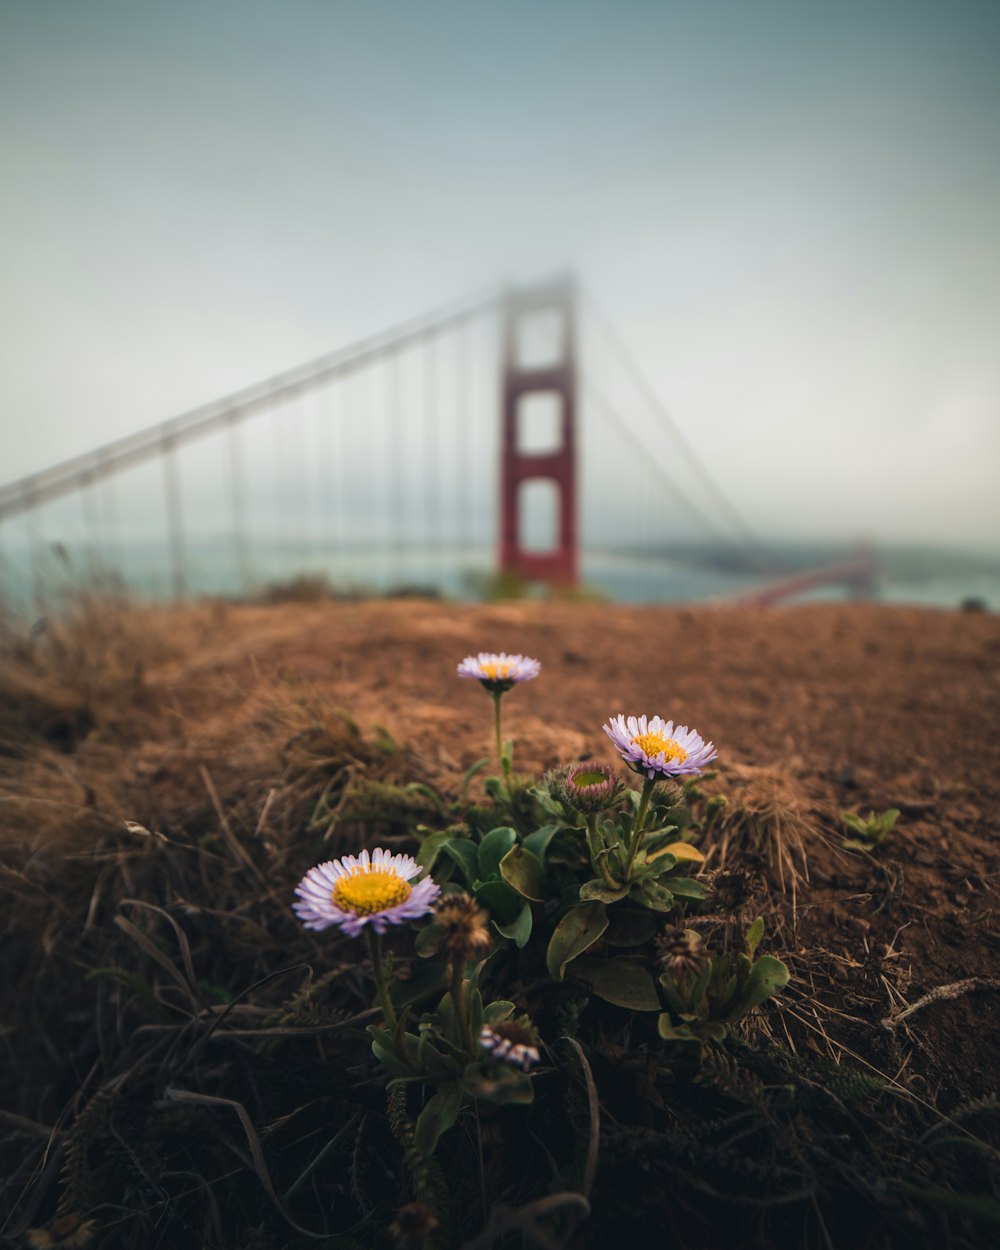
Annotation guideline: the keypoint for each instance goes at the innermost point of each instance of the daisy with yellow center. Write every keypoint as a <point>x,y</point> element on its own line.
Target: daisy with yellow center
<point>374,889</point>
<point>656,748</point>
<point>499,673</point>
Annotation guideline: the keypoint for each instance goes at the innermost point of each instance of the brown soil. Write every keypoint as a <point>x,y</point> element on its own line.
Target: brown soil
<point>854,707</point>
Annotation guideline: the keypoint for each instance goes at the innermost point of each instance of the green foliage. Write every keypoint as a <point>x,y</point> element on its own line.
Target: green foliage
<point>867,833</point>
<point>707,996</point>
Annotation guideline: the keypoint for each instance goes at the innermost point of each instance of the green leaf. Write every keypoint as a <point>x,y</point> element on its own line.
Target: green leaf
<point>437,1117</point>
<point>519,929</point>
<point>499,1009</point>
<point>547,803</point>
<point>384,1050</point>
<point>656,842</point>
<point>538,842</point>
<point>523,872</point>
<point>660,865</point>
<point>675,1032</point>
<point>686,887</point>
<point>492,849</point>
<point>431,1062</point>
<point>600,890</point>
<point>855,822</point>
<point>427,940</point>
<point>463,852</point>
<point>472,772</point>
<point>766,978</point>
<point>654,895</point>
<point>430,848</point>
<point>579,929</point>
<point>474,1006</point>
<point>621,980</point>
<point>503,903</point>
<point>754,934</point>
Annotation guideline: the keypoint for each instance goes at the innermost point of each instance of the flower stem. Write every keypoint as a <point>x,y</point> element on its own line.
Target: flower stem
<point>458,1002</point>
<point>504,763</point>
<point>381,984</point>
<point>640,819</point>
<point>598,861</point>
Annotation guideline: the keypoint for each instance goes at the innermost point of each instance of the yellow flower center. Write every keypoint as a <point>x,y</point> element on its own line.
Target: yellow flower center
<point>495,670</point>
<point>654,743</point>
<point>368,890</point>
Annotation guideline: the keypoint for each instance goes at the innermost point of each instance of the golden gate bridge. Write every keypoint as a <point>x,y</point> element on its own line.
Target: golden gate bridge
<point>510,436</point>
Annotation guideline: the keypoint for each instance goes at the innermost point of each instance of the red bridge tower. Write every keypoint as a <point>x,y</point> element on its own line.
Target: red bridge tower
<point>550,309</point>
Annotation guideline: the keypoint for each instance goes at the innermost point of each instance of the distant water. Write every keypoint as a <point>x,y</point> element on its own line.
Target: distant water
<point>906,575</point>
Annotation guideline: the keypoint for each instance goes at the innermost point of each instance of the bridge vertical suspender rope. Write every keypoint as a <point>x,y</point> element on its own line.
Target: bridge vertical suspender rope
<point>398,428</point>
<point>237,505</point>
<point>432,401</point>
<point>175,518</point>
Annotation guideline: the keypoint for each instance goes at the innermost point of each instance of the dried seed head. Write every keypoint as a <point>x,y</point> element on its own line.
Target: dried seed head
<point>733,888</point>
<point>413,1224</point>
<point>464,927</point>
<point>681,953</point>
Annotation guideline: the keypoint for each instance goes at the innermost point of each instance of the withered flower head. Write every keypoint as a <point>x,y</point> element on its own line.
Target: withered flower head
<point>681,953</point>
<point>733,888</point>
<point>464,927</point>
<point>414,1223</point>
<point>512,1041</point>
<point>69,1232</point>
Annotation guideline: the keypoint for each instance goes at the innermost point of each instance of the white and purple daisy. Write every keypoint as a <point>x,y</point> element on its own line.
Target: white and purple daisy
<point>656,747</point>
<point>499,673</point>
<point>511,1041</point>
<point>363,889</point>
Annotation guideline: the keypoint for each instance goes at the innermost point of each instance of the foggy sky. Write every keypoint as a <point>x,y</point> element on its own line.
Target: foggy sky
<point>789,210</point>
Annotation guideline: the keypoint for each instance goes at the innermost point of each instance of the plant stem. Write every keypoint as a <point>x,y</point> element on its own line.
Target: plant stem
<point>458,1002</point>
<point>598,861</point>
<point>640,819</point>
<point>504,763</point>
<point>381,984</point>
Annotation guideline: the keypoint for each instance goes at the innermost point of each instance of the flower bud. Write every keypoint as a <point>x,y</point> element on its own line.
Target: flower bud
<point>589,787</point>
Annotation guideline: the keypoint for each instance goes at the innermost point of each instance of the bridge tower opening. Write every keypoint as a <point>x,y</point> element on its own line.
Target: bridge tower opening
<point>539,368</point>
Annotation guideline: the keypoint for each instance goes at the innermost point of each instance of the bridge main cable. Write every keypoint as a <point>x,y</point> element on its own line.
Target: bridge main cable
<point>26,493</point>
<point>670,425</point>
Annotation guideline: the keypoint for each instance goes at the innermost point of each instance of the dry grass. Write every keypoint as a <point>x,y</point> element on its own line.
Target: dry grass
<point>768,824</point>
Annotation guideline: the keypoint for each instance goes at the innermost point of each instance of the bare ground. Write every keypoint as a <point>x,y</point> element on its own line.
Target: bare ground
<point>851,707</point>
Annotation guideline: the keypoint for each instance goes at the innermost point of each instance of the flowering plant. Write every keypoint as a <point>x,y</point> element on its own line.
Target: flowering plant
<point>563,873</point>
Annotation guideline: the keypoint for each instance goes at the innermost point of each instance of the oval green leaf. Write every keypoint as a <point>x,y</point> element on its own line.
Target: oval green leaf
<point>492,849</point>
<point>439,1115</point>
<point>523,872</point>
<point>462,851</point>
<point>578,930</point>
<point>519,929</point>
